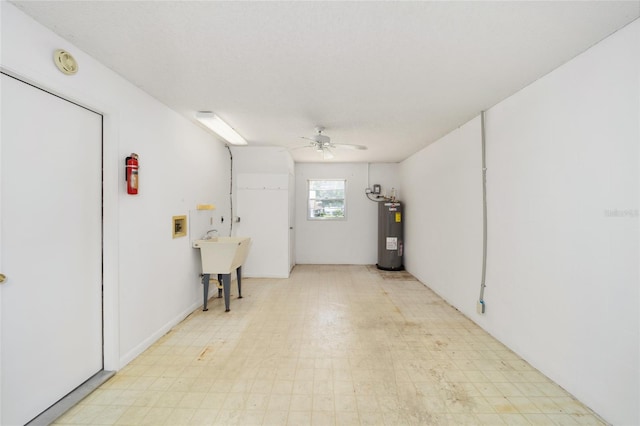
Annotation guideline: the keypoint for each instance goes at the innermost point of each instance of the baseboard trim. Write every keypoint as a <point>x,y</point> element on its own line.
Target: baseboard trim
<point>146,343</point>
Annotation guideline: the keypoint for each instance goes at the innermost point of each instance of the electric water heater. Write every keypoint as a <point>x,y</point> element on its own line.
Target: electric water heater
<point>390,239</point>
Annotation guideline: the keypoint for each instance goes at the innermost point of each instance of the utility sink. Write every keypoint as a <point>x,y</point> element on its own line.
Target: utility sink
<point>222,255</point>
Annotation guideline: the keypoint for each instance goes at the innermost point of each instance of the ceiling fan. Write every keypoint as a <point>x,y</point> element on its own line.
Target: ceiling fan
<point>323,145</point>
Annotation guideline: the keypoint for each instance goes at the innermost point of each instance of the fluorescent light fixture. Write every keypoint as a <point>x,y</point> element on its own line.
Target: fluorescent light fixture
<point>221,128</point>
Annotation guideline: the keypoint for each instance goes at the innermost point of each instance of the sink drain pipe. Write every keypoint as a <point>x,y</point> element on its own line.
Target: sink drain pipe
<point>481,306</point>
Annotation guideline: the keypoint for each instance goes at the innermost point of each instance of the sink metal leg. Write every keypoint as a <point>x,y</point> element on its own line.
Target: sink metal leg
<point>219,289</point>
<point>239,273</point>
<point>205,285</point>
<point>226,284</point>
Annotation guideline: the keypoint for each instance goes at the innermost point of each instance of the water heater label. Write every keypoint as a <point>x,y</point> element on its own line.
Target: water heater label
<point>392,243</point>
<point>398,217</point>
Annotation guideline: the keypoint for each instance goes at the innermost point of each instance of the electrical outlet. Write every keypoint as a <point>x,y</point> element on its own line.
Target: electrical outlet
<point>480,307</point>
<point>377,189</point>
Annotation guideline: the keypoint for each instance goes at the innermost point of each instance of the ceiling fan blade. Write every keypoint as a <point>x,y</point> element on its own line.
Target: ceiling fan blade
<point>321,144</point>
<point>348,146</point>
<point>300,146</point>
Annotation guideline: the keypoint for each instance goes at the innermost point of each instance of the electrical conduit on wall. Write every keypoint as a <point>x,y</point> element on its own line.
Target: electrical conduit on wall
<point>230,191</point>
<point>481,304</point>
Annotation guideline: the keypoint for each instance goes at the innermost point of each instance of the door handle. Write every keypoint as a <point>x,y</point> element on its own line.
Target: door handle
<point>3,278</point>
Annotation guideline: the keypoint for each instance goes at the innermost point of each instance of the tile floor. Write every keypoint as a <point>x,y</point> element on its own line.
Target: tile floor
<point>331,345</point>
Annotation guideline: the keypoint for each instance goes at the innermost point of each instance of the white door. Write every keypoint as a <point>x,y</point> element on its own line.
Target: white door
<point>292,221</point>
<point>50,249</point>
<point>264,219</point>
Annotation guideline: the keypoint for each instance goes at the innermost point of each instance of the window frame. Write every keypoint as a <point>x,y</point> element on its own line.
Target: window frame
<point>309,200</point>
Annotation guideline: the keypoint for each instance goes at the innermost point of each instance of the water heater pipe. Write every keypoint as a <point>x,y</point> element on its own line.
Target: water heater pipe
<point>484,216</point>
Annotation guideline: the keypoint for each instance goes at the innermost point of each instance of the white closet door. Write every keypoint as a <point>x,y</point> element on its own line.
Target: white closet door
<point>51,249</point>
<point>264,214</point>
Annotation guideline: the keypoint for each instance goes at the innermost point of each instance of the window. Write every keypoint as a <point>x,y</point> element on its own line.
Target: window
<point>327,199</point>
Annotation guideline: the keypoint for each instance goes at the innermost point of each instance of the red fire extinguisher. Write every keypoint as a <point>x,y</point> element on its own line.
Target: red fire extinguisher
<point>131,173</point>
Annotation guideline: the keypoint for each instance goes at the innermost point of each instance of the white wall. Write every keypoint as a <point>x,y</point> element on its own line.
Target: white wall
<point>150,279</point>
<point>350,241</point>
<point>562,277</point>
<point>442,188</point>
<point>267,159</point>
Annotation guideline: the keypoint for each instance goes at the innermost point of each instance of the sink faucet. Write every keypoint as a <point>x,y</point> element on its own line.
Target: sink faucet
<point>208,235</point>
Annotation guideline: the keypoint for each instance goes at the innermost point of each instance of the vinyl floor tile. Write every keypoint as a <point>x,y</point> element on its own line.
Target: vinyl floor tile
<point>331,345</point>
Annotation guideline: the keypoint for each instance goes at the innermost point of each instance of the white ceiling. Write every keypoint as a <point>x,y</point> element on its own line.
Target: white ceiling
<point>394,76</point>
